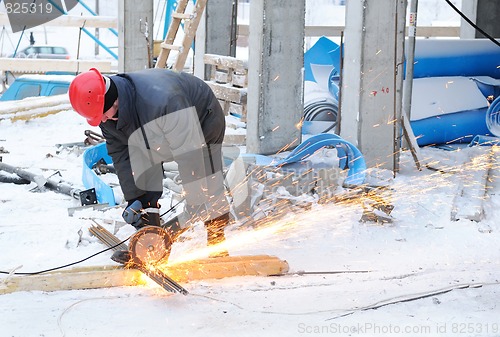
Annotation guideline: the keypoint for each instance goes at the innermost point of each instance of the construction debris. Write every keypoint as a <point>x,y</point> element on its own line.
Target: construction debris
<point>54,183</point>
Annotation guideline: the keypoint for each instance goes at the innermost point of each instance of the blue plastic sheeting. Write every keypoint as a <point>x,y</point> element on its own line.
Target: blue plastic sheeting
<point>349,156</point>
<point>484,141</point>
<point>443,57</point>
<point>460,127</point>
<point>454,109</point>
<point>323,52</point>
<point>488,86</point>
<point>477,58</point>
<point>452,57</point>
<point>493,117</point>
<point>90,179</point>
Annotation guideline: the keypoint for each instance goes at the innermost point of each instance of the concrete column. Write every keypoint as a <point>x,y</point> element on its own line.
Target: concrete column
<point>488,17</point>
<point>275,80</point>
<point>214,33</point>
<point>370,85</point>
<point>485,13</point>
<point>469,8</point>
<point>132,45</point>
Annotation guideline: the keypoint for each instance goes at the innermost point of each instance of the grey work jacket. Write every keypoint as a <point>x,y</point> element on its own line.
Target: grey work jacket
<point>160,113</point>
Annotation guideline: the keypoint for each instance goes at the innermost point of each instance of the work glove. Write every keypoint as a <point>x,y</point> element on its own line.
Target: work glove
<point>139,217</point>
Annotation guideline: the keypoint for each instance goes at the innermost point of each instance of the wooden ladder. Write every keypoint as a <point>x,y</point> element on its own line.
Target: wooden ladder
<point>191,22</point>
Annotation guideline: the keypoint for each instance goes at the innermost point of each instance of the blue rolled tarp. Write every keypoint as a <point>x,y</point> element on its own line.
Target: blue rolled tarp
<point>447,118</point>
<point>349,156</point>
<point>447,110</point>
<point>456,57</point>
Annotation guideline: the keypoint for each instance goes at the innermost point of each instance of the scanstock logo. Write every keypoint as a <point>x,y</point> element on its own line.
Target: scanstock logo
<point>25,14</point>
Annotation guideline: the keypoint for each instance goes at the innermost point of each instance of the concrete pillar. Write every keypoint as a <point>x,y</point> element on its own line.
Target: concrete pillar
<point>370,85</point>
<point>488,17</point>
<point>132,45</point>
<point>485,13</point>
<point>215,33</point>
<point>275,80</point>
<point>469,8</point>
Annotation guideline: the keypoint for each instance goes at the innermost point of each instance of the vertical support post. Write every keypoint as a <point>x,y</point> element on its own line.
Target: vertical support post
<point>216,26</point>
<point>131,24</point>
<point>469,8</point>
<point>368,101</point>
<point>410,58</point>
<point>275,84</point>
<point>487,18</point>
<point>96,48</point>
<point>408,84</point>
<point>399,37</point>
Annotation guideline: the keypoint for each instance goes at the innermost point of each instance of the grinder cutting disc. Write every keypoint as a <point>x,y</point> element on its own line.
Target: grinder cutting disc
<point>150,244</point>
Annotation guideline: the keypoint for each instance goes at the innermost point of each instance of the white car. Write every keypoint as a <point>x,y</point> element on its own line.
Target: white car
<point>43,52</point>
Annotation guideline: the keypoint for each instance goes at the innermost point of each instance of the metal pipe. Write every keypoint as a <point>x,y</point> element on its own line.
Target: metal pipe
<point>41,181</point>
<point>410,59</point>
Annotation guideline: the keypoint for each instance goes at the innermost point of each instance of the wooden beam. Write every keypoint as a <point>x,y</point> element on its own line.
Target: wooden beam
<point>316,31</point>
<point>117,276</point>
<point>229,266</point>
<point>228,93</point>
<point>34,107</point>
<point>31,65</point>
<point>226,62</point>
<point>32,103</point>
<point>81,278</point>
<point>74,21</point>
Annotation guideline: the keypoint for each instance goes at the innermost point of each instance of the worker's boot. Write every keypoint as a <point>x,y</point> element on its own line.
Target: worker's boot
<point>121,256</point>
<point>174,228</point>
<point>215,233</point>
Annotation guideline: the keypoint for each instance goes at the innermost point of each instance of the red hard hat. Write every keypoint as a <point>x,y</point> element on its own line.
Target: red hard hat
<point>86,94</point>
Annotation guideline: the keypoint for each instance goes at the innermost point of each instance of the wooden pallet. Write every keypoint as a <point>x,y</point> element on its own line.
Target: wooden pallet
<point>229,81</point>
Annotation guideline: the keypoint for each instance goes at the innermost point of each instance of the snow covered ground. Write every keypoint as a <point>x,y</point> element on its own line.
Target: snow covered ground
<point>341,269</point>
<point>424,274</point>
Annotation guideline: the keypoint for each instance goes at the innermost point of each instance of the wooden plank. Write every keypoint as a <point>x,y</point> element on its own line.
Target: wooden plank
<point>235,139</point>
<point>239,80</point>
<point>34,107</point>
<point>74,21</point>
<point>229,266</point>
<point>228,93</point>
<point>30,65</point>
<point>225,61</point>
<point>170,46</point>
<point>39,113</point>
<point>117,276</point>
<point>317,31</point>
<point>238,110</point>
<point>30,103</point>
<point>82,278</point>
